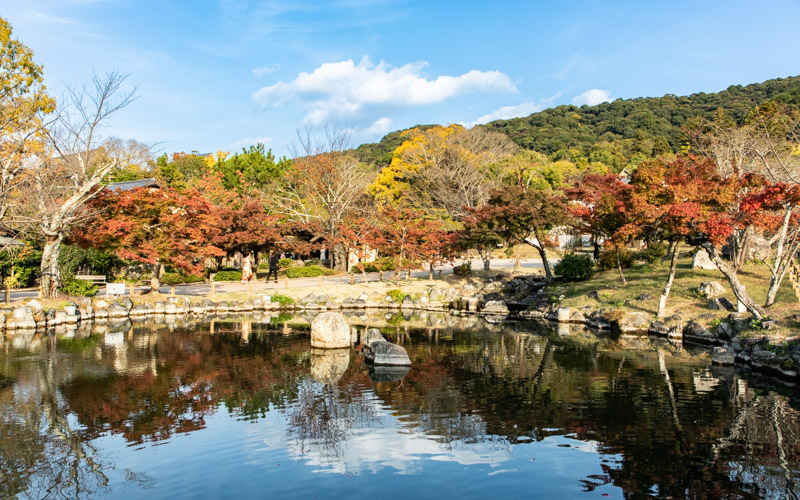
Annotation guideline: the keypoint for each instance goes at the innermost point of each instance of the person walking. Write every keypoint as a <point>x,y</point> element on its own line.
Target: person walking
<point>273,266</point>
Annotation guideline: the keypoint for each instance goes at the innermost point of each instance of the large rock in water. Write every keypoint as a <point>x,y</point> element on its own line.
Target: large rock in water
<point>330,330</point>
<point>385,353</point>
<point>371,335</point>
<point>701,260</point>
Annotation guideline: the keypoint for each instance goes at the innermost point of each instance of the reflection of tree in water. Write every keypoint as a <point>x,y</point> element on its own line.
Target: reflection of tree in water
<point>325,416</point>
<point>676,431</point>
<point>41,451</point>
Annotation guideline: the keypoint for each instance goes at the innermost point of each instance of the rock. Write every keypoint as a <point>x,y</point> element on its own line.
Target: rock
<point>726,304</point>
<point>371,335</point>
<point>159,307</point>
<point>577,316</point>
<point>71,308</point>
<point>644,297</point>
<point>695,332</point>
<point>723,356</point>
<point>101,304</point>
<point>330,330</point>
<point>714,304</point>
<point>138,310</point>
<point>563,314</point>
<point>739,321</point>
<point>126,303</point>
<point>171,309</point>
<point>328,365</point>
<point>407,304</point>
<point>711,289</point>
<point>382,352</point>
<point>59,319</point>
<point>634,322</point>
<point>701,260</point>
<point>594,294</point>
<point>35,305</point>
<point>117,311</point>
<point>658,327</point>
<point>494,307</point>
<point>769,324</point>
<point>23,317</point>
<point>382,374</point>
<point>724,331</point>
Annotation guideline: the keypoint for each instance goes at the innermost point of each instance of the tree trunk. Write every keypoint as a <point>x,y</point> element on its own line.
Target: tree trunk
<point>155,278</point>
<point>339,258</point>
<point>51,276</point>
<point>485,257</point>
<point>781,260</point>
<point>430,271</point>
<point>737,287</point>
<point>662,301</point>
<point>543,254</point>
<point>619,267</point>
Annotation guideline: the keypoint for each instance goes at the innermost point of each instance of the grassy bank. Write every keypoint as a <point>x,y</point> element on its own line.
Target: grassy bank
<point>684,298</point>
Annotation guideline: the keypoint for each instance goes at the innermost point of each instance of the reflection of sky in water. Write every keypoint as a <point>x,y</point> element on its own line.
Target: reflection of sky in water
<point>234,456</point>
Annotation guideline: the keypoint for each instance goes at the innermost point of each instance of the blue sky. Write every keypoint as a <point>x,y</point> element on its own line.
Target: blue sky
<point>225,74</point>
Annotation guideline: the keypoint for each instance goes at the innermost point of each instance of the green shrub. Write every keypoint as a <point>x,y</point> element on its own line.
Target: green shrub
<point>397,295</point>
<point>228,276</point>
<point>574,267</point>
<point>71,286</point>
<point>464,269</point>
<point>282,299</point>
<point>608,258</point>
<point>652,254</point>
<point>307,272</point>
<point>312,262</point>
<point>176,278</point>
<point>286,263</point>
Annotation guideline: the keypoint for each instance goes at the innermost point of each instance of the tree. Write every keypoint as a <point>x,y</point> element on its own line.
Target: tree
<point>159,227</point>
<point>602,209</point>
<point>518,215</point>
<point>324,184</point>
<point>253,168</point>
<point>24,105</point>
<point>74,166</point>
<point>442,169</point>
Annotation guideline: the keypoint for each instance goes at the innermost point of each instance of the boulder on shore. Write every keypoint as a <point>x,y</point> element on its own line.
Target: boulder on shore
<point>711,289</point>
<point>701,260</point>
<point>330,330</point>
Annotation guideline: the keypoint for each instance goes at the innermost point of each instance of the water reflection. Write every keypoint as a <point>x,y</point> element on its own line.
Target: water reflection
<point>652,419</point>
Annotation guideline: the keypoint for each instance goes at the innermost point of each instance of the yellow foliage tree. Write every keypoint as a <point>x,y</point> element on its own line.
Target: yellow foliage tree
<point>23,104</point>
<point>442,169</point>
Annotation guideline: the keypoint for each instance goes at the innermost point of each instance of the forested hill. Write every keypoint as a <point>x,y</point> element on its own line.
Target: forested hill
<point>618,132</point>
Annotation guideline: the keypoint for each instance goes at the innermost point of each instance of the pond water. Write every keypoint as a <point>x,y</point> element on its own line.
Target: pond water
<point>247,408</point>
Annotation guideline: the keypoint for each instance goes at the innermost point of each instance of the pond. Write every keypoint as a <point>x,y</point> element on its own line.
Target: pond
<point>247,408</point>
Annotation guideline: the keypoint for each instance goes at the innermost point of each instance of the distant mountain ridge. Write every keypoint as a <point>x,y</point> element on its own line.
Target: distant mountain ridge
<point>625,127</point>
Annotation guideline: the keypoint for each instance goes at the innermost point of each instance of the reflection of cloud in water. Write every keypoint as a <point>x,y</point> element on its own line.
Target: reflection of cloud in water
<point>341,431</point>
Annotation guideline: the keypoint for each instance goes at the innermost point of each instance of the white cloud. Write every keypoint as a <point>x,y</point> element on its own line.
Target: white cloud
<point>505,113</point>
<point>592,97</point>
<point>345,90</point>
<point>381,126</point>
<point>265,70</point>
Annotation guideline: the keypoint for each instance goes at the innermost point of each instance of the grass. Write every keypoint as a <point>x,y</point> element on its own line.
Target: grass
<point>683,298</point>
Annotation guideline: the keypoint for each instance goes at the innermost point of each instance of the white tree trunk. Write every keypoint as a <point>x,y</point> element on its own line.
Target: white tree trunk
<point>155,278</point>
<point>51,278</point>
<point>662,301</point>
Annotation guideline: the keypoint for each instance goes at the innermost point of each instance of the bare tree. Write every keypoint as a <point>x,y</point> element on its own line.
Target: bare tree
<point>324,184</point>
<point>74,167</point>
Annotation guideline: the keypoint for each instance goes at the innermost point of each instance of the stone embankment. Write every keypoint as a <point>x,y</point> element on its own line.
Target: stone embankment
<point>734,341</point>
